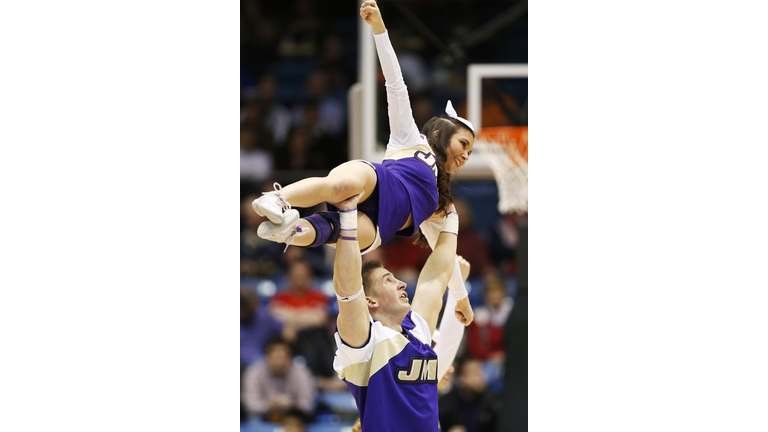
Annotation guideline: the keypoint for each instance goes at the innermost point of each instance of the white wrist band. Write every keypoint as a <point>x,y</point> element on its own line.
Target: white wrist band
<point>451,223</point>
<point>350,298</point>
<point>348,219</point>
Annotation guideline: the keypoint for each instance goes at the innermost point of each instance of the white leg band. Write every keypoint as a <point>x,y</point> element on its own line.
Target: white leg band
<point>350,298</point>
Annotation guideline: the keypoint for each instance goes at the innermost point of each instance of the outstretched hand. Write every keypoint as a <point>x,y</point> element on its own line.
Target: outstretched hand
<point>464,312</point>
<point>372,15</point>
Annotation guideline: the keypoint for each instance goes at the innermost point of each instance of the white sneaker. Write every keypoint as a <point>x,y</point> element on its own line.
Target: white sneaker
<point>272,205</point>
<point>281,233</point>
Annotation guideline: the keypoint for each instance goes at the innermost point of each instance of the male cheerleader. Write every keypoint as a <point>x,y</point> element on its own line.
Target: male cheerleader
<point>384,343</point>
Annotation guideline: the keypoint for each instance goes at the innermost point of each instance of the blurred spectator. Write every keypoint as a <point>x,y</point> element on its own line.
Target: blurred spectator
<point>310,145</point>
<point>470,406</point>
<point>317,140</point>
<point>330,381</point>
<point>257,326</point>
<point>485,336</point>
<point>276,117</point>
<point>304,311</point>
<point>254,118</point>
<point>471,245</point>
<point>255,150</point>
<point>331,110</point>
<point>300,153</point>
<point>254,138</point>
<point>504,241</point>
<point>312,256</point>
<point>273,387</point>
<point>333,62</point>
<point>258,257</point>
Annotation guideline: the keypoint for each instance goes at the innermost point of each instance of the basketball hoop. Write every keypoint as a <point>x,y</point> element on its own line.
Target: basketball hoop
<point>505,149</point>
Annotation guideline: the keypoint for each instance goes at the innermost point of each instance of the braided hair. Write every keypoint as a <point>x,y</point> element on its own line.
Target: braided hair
<point>445,127</point>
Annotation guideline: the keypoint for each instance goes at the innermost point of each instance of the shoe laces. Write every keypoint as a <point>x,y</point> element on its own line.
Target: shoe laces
<point>280,198</point>
<point>289,239</point>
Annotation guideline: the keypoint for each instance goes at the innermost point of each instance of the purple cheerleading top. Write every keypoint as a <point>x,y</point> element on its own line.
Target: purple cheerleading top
<point>393,377</point>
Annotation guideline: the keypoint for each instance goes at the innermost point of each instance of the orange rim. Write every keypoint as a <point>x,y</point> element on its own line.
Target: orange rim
<point>506,135</point>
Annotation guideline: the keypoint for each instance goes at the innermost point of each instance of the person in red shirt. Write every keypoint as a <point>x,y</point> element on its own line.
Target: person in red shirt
<point>303,310</point>
<point>300,304</point>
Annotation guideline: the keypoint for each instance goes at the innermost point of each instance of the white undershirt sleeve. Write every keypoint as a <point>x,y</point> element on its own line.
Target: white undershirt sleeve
<point>403,130</point>
<point>451,332</point>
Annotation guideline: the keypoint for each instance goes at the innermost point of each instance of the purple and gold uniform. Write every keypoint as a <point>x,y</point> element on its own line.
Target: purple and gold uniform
<point>393,377</point>
<point>405,186</point>
<point>407,178</point>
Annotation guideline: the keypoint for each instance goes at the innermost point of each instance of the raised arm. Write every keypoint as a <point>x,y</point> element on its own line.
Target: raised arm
<point>436,272</point>
<point>353,321</point>
<point>431,229</point>
<point>403,130</point>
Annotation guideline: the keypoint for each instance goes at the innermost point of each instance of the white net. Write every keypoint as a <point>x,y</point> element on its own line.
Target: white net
<point>510,169</point>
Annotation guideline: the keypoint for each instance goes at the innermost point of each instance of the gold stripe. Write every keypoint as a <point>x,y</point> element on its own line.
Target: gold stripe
<point>359,374</point>
<point>407,153</point>
<point>432,364</point>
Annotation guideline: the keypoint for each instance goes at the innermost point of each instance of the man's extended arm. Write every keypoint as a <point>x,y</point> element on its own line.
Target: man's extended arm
<point>436,272</point>
<point>353,320</point>
<point>431,229</point>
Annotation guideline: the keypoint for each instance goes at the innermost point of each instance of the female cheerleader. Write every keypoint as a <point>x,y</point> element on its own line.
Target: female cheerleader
<point>401,193</point>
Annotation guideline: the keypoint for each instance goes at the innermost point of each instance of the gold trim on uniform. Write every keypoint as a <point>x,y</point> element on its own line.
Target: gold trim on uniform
<point>359,373</point>
<point>406,153</point>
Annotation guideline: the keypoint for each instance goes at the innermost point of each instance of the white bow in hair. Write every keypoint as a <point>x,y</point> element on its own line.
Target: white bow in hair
<point>452,113</point>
